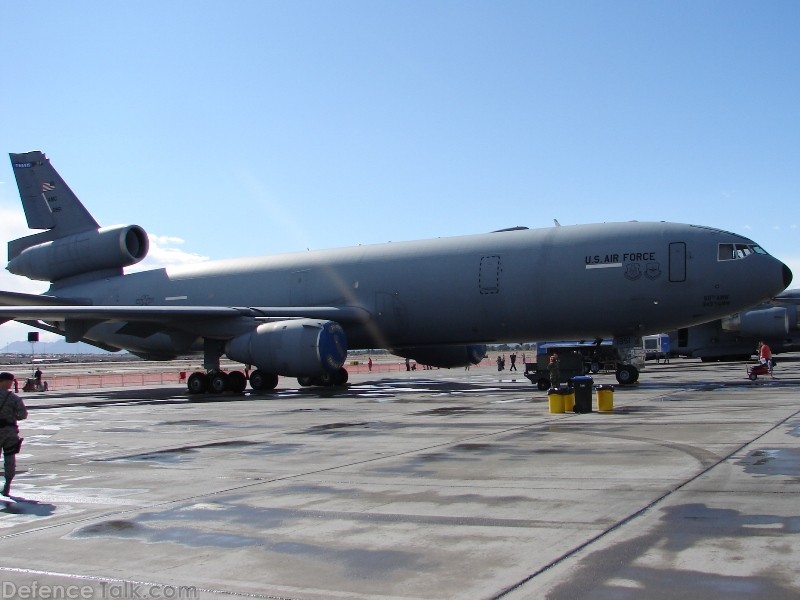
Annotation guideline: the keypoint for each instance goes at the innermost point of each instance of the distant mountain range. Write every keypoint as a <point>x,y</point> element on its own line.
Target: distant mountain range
<point>59,347</point>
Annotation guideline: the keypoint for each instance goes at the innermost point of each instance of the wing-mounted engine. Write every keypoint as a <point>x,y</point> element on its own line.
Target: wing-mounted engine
<point>294,348</point>
<point>85,252</point>
<point>444,356</point>
<point>766,322</point>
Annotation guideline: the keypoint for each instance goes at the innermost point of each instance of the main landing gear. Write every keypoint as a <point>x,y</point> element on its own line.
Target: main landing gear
<point>218,382</point>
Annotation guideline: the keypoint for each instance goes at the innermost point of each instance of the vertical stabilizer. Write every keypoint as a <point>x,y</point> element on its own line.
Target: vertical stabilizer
<point>47,201</point>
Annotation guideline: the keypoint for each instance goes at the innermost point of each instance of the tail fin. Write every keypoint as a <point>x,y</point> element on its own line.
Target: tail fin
<point>47,201</point>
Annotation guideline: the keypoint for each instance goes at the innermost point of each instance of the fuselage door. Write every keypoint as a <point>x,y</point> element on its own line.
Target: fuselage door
<point>298,288</point>
<point>489,275</point>
<point>391,316</point>
<point>677,261</point>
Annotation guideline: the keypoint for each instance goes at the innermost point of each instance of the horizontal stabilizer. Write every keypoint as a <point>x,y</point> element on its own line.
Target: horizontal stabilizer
<point>20,299</point>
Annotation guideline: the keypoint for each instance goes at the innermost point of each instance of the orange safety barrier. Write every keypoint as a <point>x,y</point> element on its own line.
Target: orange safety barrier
<point>143,378</point>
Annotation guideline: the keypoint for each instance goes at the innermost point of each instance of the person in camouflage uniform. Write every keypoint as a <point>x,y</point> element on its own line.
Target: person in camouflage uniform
<point>12,409</point>
<point>553,369</point>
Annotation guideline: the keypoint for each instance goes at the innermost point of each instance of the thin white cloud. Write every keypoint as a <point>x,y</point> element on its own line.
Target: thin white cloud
<point>164,252</point>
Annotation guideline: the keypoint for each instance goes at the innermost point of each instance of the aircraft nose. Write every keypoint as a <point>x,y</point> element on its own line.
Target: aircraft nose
<point>787,276</point>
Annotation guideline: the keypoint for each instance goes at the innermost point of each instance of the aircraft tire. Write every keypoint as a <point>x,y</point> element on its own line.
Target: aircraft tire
<point>627,374</point>
<point>263,381</point>
<point>325,380</point>
<point>257,380</point>
<point>197,383</point>
<point>218,383</point>
<point>340,377</point>
<point>237,382</point>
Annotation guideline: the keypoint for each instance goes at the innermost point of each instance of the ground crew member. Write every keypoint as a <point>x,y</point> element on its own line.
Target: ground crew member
<point>12,409</point>
<point>554,371</point>
<point>765,355</point>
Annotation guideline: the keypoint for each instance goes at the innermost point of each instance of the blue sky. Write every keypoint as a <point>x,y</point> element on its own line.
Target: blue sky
<point>255,127</point>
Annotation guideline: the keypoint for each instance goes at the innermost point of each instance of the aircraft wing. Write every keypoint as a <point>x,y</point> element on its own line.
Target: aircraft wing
<point>171,314</point>
<point>143,321</point>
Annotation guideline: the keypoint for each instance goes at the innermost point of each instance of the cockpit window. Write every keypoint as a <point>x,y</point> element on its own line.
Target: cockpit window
<point>734,251</point>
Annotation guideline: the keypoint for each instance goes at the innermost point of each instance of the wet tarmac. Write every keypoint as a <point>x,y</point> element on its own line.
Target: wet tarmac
<point>422,485</point>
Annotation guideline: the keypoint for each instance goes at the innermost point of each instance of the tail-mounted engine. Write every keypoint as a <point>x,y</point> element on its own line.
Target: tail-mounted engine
<point>294,348</point>
<point>85,252</point>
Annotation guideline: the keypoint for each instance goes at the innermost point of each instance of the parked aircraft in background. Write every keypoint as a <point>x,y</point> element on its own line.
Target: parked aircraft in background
<point>435,301</point>
<point>736,336</point>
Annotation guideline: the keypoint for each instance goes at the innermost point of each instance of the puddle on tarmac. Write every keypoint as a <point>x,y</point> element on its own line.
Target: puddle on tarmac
<point>772,461</point>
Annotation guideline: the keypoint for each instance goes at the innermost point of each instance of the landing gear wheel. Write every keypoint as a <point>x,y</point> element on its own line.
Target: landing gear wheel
<point>627,374</point>
<point>326,379</point>
<point>340,377</point>
<point>259,380</point>
<point>237,382</point>
<point>197,383</point>
<point>218,383</point>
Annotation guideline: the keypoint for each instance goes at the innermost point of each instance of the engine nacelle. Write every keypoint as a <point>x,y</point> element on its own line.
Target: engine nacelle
<point>768,322</point>
<point>293,348</point>
<point>105,248</point>
<point>444,356</point>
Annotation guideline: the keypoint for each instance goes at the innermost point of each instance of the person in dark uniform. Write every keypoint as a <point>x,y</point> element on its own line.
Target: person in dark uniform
<point>553,369</point>
<point>12,409</point>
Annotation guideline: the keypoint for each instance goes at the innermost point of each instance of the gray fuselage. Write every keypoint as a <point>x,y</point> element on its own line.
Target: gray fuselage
<point>572,282</point>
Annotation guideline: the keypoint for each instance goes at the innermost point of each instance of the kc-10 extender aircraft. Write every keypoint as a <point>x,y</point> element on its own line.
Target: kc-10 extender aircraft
<point>437,301</point>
